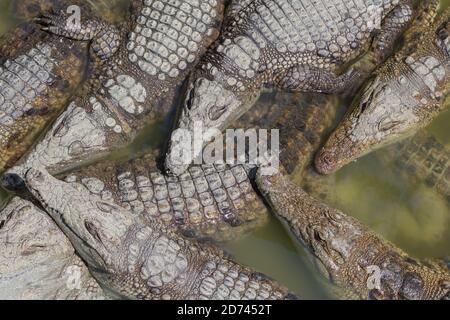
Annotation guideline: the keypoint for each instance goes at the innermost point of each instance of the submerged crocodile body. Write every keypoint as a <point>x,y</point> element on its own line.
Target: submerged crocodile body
<point>137,67</point>
<point>38,75</point>
<point>302,121</point>
<point>350,255</point>
<point>405,94</point>
<point>136,259</point>
<point>423,159</point>
<point>216,201</point>
<point>294,45</point>
<point>37,261</point>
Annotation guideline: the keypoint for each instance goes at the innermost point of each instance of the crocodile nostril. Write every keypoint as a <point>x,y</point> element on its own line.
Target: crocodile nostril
<point>12,182</point>
<point>324,163</point>
<point>326,159</point>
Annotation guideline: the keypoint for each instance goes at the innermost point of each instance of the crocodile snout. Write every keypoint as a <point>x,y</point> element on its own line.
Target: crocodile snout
<point>324,163</point>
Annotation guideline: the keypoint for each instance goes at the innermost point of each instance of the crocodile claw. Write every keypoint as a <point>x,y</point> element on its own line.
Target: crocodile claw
<point>51,22</point>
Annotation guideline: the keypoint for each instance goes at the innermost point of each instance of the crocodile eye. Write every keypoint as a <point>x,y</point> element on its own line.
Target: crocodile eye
<point>189,100</point>
<point>387,126</point>
<point>363,106</point>
<point>92,229</point>
<point>216,112</point>
<point>5,220</point>
<point>366,100</point>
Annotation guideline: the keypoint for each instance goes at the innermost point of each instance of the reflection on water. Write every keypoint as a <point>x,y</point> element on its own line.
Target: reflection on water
<point>411,216</point>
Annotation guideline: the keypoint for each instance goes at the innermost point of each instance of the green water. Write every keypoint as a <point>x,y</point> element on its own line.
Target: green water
<point>411,216</point>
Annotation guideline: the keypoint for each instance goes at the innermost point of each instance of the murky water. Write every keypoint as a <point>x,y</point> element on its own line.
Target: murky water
<point>410,215</point>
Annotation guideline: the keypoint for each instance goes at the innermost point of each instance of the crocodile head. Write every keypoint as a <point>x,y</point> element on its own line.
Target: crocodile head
<point>389,109</point>
<point>328,235</point>
<point>208,109</point>
<point>95,227</point>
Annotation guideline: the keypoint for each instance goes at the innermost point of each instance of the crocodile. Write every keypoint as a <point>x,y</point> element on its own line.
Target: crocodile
<point>38,75</point>
<point>137,259</point>
<point>293,45</point>
<point>404,95</point>
<point>423,159</point>
<point>352,257</point>
<point>37,261</point>
<point>136,66</point>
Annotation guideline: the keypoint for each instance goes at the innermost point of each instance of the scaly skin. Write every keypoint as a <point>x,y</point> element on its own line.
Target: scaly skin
<point>294,45</point>
<point>264,115</point>
<point>219,228</point>
<point>405,95</point>
<point>133,259</point>
<point>301,132</point>
<point>37,261</point>
<point>347,252</point>
<point>302,120</point>
<point>208,201</point>
<point>38,75</point>
<point>130,79</point>
<point>423,159</point>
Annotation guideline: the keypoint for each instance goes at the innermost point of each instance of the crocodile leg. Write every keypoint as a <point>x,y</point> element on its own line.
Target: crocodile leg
<point>347,252</point>
<point>392,27</point>
<point>306,78</point>
<point>105,37</point>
